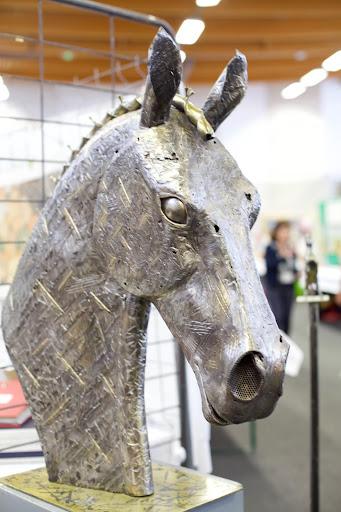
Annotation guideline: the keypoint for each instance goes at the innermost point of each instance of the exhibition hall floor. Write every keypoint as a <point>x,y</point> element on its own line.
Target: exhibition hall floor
<point>276,474</point>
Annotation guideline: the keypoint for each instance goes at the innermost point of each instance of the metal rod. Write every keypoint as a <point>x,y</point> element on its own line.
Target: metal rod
<point>17,455</point>
<point>18,201</point>
<point>13,406</point>
<point>113,57</point>
<point>17,242</point>
<point>110,71</point>
<point>253,435</point>
<point>49,121</point>
<point>138,17</point>
<point>35,160</point>
<point>12,446</point>
<point>314,402</point>
<point>41,87</point>
<point>164,409</point>
<point>161,376</point>
<point>312,290</point>
<point>164,443</point>
<point>68,46</point>
<point>160,342</point>
<point>77,85</point>
<point>185,426</point>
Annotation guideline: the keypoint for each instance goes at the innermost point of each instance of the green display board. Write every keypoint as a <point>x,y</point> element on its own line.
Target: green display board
<point>330,218</point>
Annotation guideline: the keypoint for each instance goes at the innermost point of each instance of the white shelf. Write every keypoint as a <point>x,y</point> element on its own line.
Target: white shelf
<point>330,278</point>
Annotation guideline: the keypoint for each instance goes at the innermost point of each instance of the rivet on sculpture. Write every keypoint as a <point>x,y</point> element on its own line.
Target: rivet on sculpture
<point>152,209</point>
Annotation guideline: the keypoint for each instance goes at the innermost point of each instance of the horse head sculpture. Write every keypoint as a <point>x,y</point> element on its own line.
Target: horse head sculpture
<point>152,209</point>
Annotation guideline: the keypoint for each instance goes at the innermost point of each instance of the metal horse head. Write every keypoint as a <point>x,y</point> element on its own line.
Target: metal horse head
<point>152,209</point>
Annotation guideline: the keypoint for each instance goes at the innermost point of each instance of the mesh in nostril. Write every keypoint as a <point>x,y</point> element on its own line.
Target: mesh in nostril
<point>247,376</point>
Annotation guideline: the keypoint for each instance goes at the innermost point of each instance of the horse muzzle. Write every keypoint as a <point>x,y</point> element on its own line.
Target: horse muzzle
<point>250,389</point>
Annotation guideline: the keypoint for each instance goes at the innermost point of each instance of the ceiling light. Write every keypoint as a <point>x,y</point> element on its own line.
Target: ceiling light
<point>314,77</point>
<point>19,39</point>
<point>68,55</point>
<point>190,30</point>
<point>333,63</point>
<point>207,3</point>
<point>300,55</point>
<point>4,92</point>
<point>183,55</point>
<point>292,91</point>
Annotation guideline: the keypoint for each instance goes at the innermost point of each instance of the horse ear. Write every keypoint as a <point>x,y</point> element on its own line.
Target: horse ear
<point>227,92</point>
<point>164,75</point>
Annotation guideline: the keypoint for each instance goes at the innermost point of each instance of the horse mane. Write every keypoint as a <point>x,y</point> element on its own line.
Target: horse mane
<point>195,115</point>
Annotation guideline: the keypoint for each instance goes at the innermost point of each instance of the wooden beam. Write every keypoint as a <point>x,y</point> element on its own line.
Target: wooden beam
<point>95,28</point>
<point>202,51</point>
<point>56,69</point>
<point>272,70</point>
<point>198,53</point>
<point>269,33</point>
<point>233,9</point>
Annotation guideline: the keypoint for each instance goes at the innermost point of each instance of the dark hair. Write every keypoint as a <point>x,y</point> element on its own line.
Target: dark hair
<point>279,225</point>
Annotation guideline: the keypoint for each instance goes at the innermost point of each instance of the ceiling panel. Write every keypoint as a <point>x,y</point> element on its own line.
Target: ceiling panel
<point>282,40</point>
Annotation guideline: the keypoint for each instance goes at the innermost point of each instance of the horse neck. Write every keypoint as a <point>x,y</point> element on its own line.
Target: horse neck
<point>127,382</point>
<point>93,361</point>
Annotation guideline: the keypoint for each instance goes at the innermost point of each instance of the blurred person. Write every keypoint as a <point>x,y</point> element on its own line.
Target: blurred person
<point>281,274</point>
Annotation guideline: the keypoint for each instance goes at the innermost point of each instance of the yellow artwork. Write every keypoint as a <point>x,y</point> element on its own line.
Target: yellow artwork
<point>176,490</point>
<point>17,219</point>
<point>20,204</point>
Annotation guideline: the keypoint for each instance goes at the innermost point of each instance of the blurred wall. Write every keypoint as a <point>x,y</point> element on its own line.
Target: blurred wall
<point>290,149</point>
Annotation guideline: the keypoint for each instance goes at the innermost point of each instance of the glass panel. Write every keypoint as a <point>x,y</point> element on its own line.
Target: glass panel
<point>24,99</point>
<point>60,138</point>
<point>20,180</point>
<point>52,174</point>
<point>161,393</point>
<point>160,359</point>
<point>76,104</point>
<point>17,220</point>
<point>20,139</point>
<point>9,258</point>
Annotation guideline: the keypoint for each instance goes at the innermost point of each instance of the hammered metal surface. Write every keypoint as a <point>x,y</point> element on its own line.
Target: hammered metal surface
<point>227,92</point>
<point>75,318</point>
<point>176,490</point>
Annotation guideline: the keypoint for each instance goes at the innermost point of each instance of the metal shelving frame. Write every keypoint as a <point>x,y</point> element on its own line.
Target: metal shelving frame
<point>116,67</point>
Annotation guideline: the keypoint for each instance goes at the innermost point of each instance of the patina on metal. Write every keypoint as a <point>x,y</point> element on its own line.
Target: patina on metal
<point>152,209</point>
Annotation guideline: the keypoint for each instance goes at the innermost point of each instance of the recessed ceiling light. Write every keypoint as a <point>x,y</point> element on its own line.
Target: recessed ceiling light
<point>4,92</point>
<point>68,55</point>
<point>333,63</point>
<point>19,39</point>
<point>313,77</point>
<point>190,30</point>
<point>300,55</point>
<point>292,91</point>
<point>207,3</point>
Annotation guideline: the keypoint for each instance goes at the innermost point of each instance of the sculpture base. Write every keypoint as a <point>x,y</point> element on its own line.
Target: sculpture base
<point>176,490</point>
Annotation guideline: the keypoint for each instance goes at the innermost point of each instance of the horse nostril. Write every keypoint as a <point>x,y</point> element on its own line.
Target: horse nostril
<point>246,377</point>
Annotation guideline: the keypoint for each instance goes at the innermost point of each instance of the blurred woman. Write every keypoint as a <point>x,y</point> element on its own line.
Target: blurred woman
<point>281,274</point>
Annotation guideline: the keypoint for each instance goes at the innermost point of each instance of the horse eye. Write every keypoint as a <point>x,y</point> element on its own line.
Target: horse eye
<point>174,210</point>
